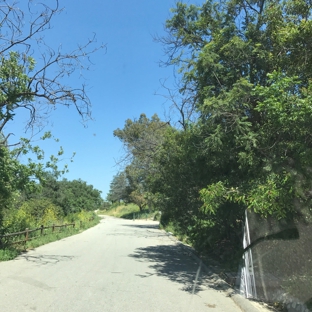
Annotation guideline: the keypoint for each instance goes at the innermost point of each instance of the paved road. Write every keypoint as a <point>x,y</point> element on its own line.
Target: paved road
<point>119,265</point>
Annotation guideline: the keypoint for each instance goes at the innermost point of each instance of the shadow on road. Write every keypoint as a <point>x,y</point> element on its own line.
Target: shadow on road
<point>44,259</point>
<point>171,262</point>
<point>143,226</point>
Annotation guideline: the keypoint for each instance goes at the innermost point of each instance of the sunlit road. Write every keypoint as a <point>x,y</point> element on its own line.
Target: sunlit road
<point>119,265</point>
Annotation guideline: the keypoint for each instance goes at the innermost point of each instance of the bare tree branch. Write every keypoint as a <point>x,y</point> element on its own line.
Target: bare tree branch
<point>38,87</point>
<point>182,104</point>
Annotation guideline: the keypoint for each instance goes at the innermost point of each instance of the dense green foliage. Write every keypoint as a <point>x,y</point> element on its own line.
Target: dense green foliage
<point>82,220</point>
<point>245,68</point>
<point>127,211</point>
<point>53,202</point>
<point>118,189</point>
<point>142,139</point>
<point>72,196</point>
<point>17,179</point>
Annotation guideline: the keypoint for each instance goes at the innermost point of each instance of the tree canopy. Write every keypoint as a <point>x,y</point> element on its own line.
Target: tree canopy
<point>142,139</point>
<point>245,68</point>
<point>118,188</point>
<point>71,196</point>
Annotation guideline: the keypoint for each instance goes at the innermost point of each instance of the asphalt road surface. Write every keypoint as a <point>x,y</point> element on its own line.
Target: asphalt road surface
<point>118,265</point>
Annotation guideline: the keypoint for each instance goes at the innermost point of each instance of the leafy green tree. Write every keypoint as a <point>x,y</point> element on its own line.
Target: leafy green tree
<point>72,196</point>
<point>18,180</point>
<point>142,140</point>
<point>138,198</point>
<point>248,66</point>
<point>118,188</point>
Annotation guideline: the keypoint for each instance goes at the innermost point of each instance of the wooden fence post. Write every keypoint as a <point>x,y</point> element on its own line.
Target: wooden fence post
<point>73,225</point>
<point>41,230</point>
<point>53,227</point>
<point>26,234</point>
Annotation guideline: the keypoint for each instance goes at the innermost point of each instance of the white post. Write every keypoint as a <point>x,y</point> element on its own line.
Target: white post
<point>248,270</point>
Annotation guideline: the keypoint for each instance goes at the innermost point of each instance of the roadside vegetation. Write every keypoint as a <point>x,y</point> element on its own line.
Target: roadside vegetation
<point>53,203</point>
<point>83,221</point>
<point>129,211</point>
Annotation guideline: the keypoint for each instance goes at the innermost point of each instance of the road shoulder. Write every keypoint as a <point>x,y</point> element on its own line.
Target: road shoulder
<point>243,303</point>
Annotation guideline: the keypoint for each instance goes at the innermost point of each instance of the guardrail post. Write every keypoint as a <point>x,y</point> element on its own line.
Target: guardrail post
<point>41,229</point>
<point>26,234</point>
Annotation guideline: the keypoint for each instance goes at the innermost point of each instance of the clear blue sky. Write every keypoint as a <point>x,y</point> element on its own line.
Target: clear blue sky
<point>122,82</point>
